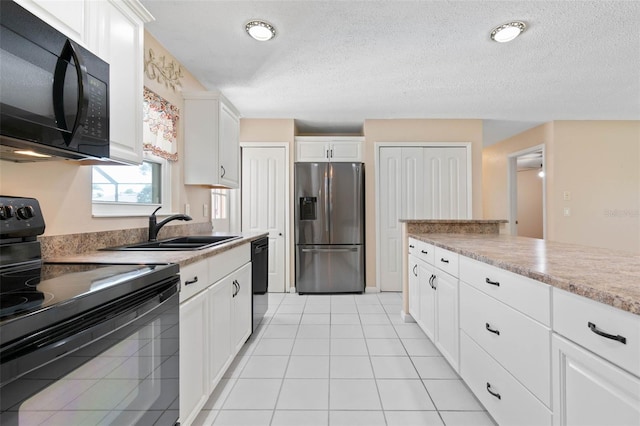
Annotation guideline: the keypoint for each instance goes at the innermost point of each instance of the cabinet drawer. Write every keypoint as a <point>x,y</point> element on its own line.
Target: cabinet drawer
<point>525,295</point>
<point>484,376</point>
<point>572,315</point>
<point>228,261</point>
<point>193,279</point>
<point>411,248</point>
<point>423,251</point>
<point>447,260</point>
<point>519,344</point>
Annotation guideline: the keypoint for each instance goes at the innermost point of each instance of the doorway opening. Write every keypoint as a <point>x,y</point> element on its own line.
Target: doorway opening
<point>527,187</point>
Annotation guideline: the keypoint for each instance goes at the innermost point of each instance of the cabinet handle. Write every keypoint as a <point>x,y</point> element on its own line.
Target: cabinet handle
<point>235,289</point>
<point>496,283</point>
<point>492,330</point>
<point>443,260</point>
<point>432,281</point>
<point>331,152</point>
<point>414,270</point>
<point>619,338</point>
<point>328,154</point>
<point>496,394</point>
<point>193,281</point>
<point>223,171</point>
<point>411,246</point>
<point>424,252</point>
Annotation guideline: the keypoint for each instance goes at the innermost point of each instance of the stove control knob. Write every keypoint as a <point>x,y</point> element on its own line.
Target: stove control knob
<point>6,212</point>
<point>25,212</point>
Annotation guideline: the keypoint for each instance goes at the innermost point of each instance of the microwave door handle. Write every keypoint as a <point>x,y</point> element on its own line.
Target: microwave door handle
<point>70,51</point>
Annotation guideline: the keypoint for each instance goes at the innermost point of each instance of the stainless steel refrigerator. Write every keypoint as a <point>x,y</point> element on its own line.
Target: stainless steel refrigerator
<point>329,227</point>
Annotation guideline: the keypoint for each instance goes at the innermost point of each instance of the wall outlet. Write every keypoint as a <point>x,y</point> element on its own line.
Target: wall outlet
<point>187,209</point>
<point>205,210</point>
<point>567,211</point>
<point>566,195</point>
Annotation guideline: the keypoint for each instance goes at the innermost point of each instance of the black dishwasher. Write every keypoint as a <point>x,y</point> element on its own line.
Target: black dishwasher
<point>260,278</point>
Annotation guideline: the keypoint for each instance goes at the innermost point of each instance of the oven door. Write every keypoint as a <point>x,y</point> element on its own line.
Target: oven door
<point>118,366</point>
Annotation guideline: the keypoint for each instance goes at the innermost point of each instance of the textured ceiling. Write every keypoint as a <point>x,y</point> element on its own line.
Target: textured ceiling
<point>334,64</point>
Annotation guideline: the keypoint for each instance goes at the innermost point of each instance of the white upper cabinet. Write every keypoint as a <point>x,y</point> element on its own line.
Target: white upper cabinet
<point>67,16</point>
<point>212,145</point>
<point>117,36</point>
<point>329,149</point>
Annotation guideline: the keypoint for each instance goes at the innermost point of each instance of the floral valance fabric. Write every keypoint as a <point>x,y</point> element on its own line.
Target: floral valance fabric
<point>160,126</point>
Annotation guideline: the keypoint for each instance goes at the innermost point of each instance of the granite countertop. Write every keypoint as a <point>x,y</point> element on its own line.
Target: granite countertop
<point>607,276</point>
<point>454,221</point>
<point>181,257</point>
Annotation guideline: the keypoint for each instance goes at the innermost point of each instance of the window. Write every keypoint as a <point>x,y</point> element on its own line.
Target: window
<point>220,209</point>
<point>131,190</point>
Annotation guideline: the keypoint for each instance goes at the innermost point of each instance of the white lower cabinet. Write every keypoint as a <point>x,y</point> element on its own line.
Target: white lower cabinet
<point>591,391</point>
<point>433,296</point>
<point>193,356</point>
<point>214,325</point>
<point>506,399</point>
<point>447,331</point>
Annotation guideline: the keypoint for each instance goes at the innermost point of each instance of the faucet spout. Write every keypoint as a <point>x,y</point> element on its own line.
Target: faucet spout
<point>155,227</point>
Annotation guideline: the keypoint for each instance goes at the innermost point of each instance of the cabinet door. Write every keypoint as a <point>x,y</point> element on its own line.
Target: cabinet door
<point>345,151</point>
<point>200,140</point>
<point>193,357</point>
<point>219,296</point>
<point>390,210</point>
<point>427,300</point>
<point>67,16</point>
<point>414,289</point>
<point>311,151</point>
<point>447,331</point>
<point>588,390</point>
<point>120,40</point>
<point>241,310</point>
<point>229,147</point>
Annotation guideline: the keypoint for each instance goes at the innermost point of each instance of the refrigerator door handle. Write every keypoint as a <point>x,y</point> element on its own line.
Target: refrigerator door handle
<point>329,250</point>
<point>327,203</point>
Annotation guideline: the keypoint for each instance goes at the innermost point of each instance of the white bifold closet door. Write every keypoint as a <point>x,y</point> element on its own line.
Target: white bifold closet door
<point>416,183</point>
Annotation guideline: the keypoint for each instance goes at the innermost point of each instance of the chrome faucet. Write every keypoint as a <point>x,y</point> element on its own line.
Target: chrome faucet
<point>155,228</point>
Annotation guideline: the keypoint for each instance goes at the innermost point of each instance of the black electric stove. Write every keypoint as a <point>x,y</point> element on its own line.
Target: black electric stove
<point>61,322</point>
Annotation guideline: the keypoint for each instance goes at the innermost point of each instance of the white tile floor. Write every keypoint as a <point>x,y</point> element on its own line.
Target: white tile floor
<point>340,360</point>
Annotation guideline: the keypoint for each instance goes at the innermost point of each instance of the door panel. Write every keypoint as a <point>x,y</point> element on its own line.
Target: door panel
<point>311,204</point>
<point>330,269</point>
<point>346,203</point>
<point>390,209</point>
<point>264,205</point>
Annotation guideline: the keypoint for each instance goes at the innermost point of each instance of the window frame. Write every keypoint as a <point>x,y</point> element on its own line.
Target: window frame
<point>115,209</point>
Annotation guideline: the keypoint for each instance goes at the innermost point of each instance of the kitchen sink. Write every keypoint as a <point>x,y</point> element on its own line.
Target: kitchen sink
<point>179,243</point>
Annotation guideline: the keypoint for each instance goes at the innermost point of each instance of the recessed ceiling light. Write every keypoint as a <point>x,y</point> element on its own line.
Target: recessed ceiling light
<point>260,30</point>
<point>508,31</point>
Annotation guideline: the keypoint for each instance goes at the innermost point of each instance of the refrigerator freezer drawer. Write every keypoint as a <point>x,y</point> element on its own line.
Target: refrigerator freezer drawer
<point>330,269</point>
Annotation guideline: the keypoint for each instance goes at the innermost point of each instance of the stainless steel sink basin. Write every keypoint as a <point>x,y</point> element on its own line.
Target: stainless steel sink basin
<point>180,243</point>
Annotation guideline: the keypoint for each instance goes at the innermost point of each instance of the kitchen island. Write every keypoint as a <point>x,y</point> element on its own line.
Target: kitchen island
<point>538,330</point>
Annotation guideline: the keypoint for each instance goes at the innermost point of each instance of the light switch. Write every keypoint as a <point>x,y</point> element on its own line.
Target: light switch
<point>187,209</point>
<point>205,210</point>
<point>567,211</point>
<point>566,196</point>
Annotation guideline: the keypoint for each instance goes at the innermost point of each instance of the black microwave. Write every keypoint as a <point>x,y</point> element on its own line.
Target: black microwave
<point>54,93</point>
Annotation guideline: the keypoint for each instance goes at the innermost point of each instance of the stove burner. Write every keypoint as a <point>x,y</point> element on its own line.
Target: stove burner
<point>22,301</point>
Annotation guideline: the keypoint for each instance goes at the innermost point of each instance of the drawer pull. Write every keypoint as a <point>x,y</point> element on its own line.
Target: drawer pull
<point>619,338</point>
<point>496,283</point>
<point>414,270</point>
<point>193,281</point>
<point>424,252</point>
<point>492,330</point>
<point>443,260</point>
<point>496,394</point>
<point>412,246</point>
